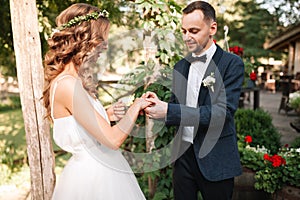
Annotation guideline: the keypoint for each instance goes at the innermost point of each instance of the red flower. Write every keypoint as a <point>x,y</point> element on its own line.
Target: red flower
<point>253,76</point>
<point>266,157</point>
<point>248,139</point>
<point>276,160</point>
<point>215,41</point>
<point>237,50</point>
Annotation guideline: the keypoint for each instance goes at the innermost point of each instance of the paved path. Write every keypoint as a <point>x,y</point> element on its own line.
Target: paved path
<point>270,102</point>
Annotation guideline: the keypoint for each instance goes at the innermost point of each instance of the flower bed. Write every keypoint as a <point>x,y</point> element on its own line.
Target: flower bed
<point>274,166</point>
<point>272,172</point>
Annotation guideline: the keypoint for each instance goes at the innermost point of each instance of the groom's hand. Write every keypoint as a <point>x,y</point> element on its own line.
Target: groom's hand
<point>157,109</point>
<point>149,95</point>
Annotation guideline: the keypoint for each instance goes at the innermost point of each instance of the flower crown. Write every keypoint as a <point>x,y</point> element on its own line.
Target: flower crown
<point>77,20</point>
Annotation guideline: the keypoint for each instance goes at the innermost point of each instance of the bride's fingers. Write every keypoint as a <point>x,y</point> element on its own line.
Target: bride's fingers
<point>123,108</point>
<point>119,105</point>
<point>143,103</point>
<point>120,113</point>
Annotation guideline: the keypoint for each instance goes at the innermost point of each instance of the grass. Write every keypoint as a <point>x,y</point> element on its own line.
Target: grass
<point>12,136</point>
<point>13,150</point>
<point>12,126</point>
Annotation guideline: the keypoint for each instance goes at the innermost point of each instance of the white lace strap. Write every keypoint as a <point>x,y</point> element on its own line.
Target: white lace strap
<point>53,91</point>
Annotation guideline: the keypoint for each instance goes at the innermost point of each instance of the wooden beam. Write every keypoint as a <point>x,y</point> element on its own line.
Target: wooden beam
<point>283,41</point>
<point>30,75</point>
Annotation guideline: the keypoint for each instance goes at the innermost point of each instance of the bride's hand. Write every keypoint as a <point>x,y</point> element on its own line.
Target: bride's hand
<point>117,111</point>
<point>141,103</point>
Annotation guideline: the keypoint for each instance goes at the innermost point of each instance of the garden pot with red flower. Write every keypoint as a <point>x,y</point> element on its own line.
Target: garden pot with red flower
<point>278,176</point>
<point>294,103</point>
<point>251,162</point>
<point>272,173</point>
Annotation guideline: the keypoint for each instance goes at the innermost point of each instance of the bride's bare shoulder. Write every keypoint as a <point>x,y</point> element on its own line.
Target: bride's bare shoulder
<point>65,87</point>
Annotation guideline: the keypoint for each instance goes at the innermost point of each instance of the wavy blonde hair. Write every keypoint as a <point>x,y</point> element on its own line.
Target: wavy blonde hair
<point>79,44</point>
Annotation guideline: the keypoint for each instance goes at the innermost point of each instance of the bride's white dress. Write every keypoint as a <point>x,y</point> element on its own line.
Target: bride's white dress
<point>94,172</point>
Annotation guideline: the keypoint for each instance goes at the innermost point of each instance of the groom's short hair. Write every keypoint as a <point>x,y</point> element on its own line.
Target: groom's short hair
<point>208,11</point>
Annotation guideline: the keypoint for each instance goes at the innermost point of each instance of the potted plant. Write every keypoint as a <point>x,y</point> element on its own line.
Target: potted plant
<point>294,103</point>
<point>277,174</point>
<point>274,170</point>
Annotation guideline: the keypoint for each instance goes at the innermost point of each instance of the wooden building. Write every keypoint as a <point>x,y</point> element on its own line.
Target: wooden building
<point>289,41</point>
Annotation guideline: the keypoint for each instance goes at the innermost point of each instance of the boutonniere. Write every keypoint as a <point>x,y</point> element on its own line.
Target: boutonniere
<point>209,81</point>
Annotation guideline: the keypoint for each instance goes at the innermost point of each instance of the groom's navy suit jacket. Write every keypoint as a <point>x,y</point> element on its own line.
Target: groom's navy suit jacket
<point>215,140</point>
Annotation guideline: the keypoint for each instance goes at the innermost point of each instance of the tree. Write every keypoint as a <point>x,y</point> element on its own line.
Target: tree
<point>250,26</point>
<point>287,11</point>
<point>7,60</point>
<point>30,77</point>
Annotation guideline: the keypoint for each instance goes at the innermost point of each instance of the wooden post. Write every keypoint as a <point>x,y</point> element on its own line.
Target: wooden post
<point>30,74</point>
<point>150,49</point>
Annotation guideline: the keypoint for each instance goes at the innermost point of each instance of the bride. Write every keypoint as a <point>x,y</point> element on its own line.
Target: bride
<point>81,126</point>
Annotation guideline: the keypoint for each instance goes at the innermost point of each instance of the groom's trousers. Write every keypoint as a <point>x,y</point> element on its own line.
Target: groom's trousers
<point>188,181</point>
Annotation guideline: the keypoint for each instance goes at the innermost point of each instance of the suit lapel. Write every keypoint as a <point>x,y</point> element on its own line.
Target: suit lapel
<point>182,76</point>
<point>211,68</point>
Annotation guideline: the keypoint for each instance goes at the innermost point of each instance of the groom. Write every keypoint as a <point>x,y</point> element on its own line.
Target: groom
<point>205,93</point>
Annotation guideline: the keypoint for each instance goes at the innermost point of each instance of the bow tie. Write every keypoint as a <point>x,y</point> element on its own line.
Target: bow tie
<point>192,59</point>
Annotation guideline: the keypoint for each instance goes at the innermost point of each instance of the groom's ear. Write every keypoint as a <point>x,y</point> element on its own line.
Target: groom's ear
<point>213,28</point>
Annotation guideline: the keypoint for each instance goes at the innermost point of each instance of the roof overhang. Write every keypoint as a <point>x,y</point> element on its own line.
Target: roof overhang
<point>285,39</point>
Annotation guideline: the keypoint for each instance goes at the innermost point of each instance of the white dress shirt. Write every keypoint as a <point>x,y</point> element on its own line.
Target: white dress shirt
<point>196,73</point>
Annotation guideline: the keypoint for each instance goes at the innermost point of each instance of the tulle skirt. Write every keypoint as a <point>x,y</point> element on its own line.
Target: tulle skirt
<point>85,178</point>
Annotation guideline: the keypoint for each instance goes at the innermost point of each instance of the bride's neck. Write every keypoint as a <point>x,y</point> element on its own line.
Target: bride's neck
<point>70,69</point>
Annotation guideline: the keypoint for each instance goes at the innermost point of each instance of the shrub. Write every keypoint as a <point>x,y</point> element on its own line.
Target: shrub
<point>257,124</point>
<point>296,143</point>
